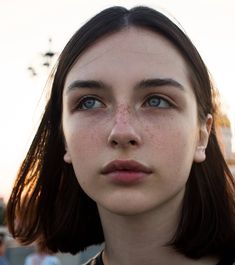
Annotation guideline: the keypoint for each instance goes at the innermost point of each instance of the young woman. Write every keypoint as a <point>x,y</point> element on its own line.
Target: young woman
<point>126,152</point>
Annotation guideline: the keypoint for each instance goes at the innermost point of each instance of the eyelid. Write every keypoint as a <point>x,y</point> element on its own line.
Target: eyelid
<point>78,102</point>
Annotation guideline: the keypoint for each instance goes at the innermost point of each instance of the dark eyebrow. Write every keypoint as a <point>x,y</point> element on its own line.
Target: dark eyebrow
<point>85,84</point>
<point>156,82</point>
<point>147,83</point>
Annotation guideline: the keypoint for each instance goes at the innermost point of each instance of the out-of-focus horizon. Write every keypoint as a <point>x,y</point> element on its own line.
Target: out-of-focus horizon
<point>26,27</point>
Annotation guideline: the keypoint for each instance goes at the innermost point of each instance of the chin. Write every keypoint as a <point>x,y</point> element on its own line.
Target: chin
<point>128,209</point>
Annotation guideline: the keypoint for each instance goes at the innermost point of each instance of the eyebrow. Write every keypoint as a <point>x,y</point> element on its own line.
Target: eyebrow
<point>77,84</point>
<point>147,83</point>
<point>158,82</point>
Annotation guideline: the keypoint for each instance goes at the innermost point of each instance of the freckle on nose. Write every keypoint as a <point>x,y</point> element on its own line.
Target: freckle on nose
<point>122,110</point>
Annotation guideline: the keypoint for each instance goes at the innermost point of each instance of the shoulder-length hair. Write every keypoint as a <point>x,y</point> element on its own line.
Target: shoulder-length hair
<point>48,201</point>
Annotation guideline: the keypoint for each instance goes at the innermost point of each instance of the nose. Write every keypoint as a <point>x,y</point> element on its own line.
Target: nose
<point>123,133</point>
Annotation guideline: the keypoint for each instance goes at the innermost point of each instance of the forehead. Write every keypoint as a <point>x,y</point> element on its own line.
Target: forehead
<point>133,49</point>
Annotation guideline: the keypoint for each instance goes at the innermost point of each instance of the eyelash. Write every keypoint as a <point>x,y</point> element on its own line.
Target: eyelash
<point>162,100</point>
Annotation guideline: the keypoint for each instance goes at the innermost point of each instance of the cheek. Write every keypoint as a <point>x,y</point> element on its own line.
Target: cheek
<point>84,147</point>
<point>172,131</point>
<point>171,154</point>
<point>172,143</point>
<point>85,142</point>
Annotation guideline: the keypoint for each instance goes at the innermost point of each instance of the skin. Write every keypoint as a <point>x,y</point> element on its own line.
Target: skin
<point>156,125</point>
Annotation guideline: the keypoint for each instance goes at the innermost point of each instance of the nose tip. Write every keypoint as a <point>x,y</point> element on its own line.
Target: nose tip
<point>124,135</point>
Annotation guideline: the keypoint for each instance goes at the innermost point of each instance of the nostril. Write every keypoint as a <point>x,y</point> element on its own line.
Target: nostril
<point>114,142</point>
<point>133,142</point>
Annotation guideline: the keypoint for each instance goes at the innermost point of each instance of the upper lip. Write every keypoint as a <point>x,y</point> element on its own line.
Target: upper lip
<point>122,165</point>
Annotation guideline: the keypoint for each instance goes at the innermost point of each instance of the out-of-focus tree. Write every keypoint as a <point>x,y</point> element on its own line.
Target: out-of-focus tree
<point>45,60</point>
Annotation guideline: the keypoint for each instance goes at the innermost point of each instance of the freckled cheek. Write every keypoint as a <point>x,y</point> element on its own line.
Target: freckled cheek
<point>170,150</point>
<point>167,138</point>
<point>85,144</point>
<point>85,137</point>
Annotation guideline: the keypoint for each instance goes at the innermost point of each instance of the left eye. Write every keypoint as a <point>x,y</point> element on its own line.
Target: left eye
<point>157,102</point>
<point>89,103</point>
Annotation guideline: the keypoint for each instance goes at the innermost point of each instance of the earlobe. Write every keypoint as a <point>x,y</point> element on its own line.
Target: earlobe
<point>204,133</point>
<point>67,157</point>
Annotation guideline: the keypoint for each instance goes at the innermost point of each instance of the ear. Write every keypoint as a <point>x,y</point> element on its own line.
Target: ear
<point>204,133</point>
<point>67,157</point>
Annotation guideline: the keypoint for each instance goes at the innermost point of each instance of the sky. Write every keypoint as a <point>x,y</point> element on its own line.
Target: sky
<point>26,27</point>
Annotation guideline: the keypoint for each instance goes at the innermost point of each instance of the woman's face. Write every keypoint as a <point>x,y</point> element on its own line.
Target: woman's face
<point>130,122</point>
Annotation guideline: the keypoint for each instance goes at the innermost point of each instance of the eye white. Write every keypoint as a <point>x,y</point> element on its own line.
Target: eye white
<point>90,103</point>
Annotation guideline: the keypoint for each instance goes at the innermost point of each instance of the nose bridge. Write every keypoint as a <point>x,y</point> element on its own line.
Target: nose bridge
<point>124,132</point>
<point>123,114</point>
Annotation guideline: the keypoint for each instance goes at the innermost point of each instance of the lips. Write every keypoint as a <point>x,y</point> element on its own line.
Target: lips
<point>126,171</point>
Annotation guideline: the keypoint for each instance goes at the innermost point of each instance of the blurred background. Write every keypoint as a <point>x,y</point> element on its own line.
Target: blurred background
<point>33,34</point>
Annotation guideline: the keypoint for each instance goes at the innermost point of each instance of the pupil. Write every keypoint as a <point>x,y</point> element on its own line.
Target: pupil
<point>154,101</point>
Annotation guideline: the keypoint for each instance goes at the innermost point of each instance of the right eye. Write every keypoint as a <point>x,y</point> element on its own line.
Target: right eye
<point>89,102</point>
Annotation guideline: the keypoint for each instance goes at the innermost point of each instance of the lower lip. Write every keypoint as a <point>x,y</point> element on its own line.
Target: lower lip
<point>126,177</point>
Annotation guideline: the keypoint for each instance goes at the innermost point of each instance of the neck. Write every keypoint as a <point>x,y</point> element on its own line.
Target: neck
<point>143,238</point>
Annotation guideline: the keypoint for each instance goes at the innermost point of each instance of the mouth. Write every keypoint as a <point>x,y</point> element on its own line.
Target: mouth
<point>126,171</point>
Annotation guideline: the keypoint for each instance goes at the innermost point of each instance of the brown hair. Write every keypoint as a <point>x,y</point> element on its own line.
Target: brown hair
<point>54,204</point>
